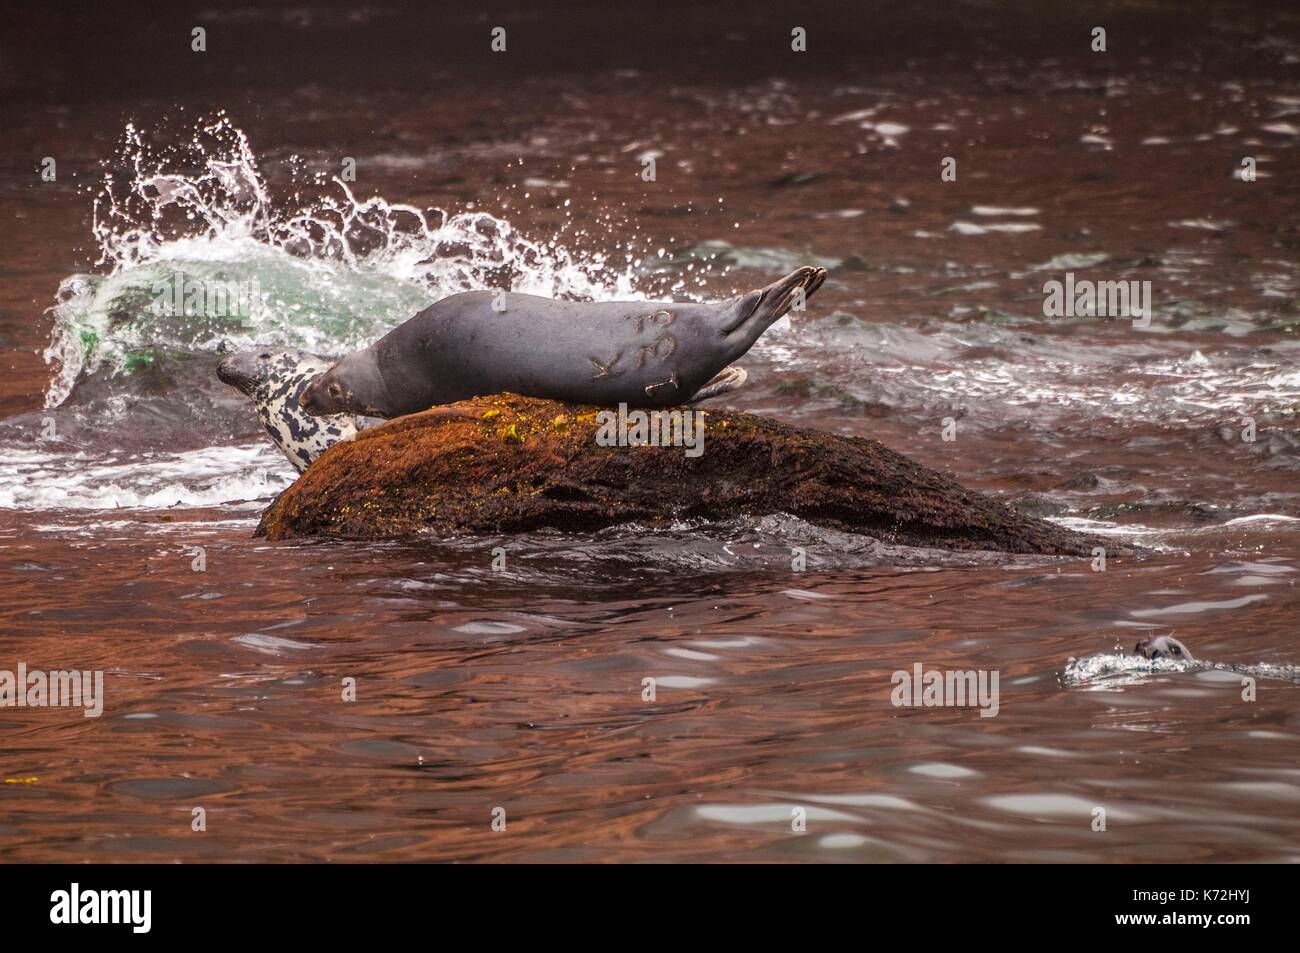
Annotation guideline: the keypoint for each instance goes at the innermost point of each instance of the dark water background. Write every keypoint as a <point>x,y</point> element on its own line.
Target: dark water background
<point>522,689</point>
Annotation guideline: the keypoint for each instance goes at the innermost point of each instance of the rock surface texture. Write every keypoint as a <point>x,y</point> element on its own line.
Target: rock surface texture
<point>506,464</point>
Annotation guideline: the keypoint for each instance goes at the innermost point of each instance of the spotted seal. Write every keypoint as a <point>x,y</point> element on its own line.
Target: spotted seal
<point>643,354</point>
<point>1164,646</point>
<point>1168,647</point>
<point>274,378</point>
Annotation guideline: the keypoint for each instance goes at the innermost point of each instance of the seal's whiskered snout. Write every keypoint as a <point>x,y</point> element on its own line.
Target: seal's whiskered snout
<point>238,371</point>
<point>247,370</point>
<point>278,380</point>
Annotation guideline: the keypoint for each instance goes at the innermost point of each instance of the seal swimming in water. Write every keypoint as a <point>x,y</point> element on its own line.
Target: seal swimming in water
<point>1168,647</point>
<point>1164,646</point>
<point>1170,655</point>
<point>643,354</point>
<point>275,378</point>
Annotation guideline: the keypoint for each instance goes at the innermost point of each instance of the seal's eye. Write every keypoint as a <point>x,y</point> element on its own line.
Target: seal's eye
<point>335,390</point>
<point>264,356</point>
<point>1175,650</point>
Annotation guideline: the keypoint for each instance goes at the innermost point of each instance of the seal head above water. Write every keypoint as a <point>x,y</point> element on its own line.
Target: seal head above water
<point>1164,646</point>
<point>274,378</point>
<point>643,354</point>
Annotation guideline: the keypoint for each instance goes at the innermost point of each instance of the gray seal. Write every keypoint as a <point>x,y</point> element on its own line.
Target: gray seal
<point>1168,647</point>
<point>274,378</point>
<point>643,354</point>
<point>1164,646</point>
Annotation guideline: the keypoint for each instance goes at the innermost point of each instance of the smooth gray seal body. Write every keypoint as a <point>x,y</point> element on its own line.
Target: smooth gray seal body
<point>641,353</point>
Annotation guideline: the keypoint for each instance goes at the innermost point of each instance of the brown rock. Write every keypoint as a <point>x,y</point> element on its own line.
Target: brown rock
<point>509,464</point>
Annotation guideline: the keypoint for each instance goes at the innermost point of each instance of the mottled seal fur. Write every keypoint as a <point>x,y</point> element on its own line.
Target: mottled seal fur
<point>643,354</point>
<point>275,378</point>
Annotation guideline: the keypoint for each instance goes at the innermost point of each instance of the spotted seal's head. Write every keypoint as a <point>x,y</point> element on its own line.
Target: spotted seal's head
<point>352,386</point>
<point>274,379</point>
<point>1164,646</point>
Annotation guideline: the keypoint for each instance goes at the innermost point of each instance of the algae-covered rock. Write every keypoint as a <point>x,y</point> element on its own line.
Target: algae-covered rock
<point>508,464</point>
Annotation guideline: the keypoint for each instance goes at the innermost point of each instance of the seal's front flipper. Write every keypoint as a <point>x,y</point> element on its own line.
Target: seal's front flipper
<point>724,382</point>
<point>360,423</point>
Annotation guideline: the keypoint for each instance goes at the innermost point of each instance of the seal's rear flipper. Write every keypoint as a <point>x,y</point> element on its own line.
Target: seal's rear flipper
<point>762,308</point>
<point>723,382</point>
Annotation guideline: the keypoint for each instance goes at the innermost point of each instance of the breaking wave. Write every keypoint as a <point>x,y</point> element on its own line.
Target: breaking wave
<point>196,252</point>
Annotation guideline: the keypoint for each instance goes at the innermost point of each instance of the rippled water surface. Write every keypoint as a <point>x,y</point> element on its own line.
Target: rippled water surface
<point>122,456</point>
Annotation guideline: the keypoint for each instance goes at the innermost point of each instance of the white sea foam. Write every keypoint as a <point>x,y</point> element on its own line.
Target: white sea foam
<point>1011,228</point>
<point>36,480</point>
